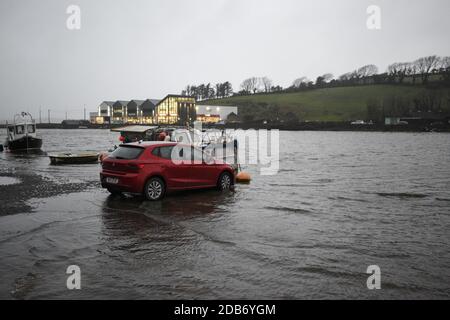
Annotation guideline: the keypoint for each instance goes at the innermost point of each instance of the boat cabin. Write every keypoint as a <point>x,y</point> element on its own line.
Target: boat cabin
<point>20,130</point>
<point>21,135</point>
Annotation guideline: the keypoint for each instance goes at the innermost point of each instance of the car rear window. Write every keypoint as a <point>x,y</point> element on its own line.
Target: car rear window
<point>127,152</point>
<point>163,152</point>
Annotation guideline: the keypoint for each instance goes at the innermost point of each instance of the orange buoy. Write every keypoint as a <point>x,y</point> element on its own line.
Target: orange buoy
<point>243,177</point>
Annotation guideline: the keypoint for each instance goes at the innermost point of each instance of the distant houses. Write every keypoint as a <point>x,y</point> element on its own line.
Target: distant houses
<point>173,110</point>
<point>122,112</point>
<point>214,114</point>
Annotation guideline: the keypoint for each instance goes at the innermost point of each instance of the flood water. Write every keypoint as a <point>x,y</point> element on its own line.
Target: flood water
<point>342,201</point>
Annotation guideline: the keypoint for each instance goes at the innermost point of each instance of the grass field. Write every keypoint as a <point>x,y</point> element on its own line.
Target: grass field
<point>329,104</point>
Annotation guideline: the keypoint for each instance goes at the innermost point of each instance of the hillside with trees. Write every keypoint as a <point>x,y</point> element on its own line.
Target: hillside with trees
<point>405,89</point>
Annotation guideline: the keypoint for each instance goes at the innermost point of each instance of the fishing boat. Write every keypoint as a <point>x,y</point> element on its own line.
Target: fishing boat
<point>21,135</point>
<point>74,158</point>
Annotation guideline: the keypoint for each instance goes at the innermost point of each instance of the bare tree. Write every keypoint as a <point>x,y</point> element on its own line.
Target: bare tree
<point>255,84</point>
<point>366,71</point>
<point>250,85</point>
<point>398,70</point>
<point>267,84</point>
<point>327,77</point>
<point>346,76</point>
<point>246,86</point>
<point>298,82</point>
<point>445,63</point>
<point>425,65</point>
<point>445,68</point>
<point>411,71</point>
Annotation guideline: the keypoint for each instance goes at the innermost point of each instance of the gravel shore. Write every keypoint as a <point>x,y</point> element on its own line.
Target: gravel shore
<point>14,197</point>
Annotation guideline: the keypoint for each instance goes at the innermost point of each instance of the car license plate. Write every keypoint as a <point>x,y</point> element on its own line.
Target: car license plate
<point>112,180</point>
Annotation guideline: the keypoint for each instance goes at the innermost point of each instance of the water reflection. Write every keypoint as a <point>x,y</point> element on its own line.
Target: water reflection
<point>186,204</point>
<point>22,155</point>
<point>135,217</point>
<point>24,152</point>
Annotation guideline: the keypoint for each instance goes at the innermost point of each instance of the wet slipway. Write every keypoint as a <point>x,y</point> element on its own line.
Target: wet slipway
<point>339,203</point>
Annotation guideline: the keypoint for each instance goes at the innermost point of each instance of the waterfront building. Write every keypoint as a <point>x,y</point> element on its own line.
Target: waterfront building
<point>172,110</point>
<point>148,108</point>
<point>119,112</point>
<point>176,110</point>
<point>214,114</point>
<point>122,112</point>
<point>95,118</point>
<point>105,109</point>
<point>103,114</point>
<point>208,118</point>
<point>133,112</point>
<point>389,121</point>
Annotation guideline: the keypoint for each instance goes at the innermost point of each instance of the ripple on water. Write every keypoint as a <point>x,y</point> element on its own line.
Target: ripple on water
<point>402,194</point>
<point>341,202</point>
<point>4,181</point>
<point>289,209</point>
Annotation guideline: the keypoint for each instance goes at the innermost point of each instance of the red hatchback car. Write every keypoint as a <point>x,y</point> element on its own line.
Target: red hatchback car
<point>155,168</point>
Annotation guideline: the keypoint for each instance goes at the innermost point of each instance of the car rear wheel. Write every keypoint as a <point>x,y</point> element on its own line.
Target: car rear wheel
<point>225,181</point>
<point>154,189</point>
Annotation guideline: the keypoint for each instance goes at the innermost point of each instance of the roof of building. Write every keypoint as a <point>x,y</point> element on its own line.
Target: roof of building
<point>122,102</point>
<point>174,96</point>
<point>109,103</point>
<point>154,101</point>
<point>138,102</point>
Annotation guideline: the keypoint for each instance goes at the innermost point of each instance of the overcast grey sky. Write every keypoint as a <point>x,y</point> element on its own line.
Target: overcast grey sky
<point>140,49</point>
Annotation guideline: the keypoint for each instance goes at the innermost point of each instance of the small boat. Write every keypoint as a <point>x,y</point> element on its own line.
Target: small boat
<point>21,135</point>
<point>74,158</point>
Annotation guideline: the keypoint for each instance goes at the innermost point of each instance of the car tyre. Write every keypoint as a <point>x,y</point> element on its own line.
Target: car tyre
<point>225,181</point>
<point>114,192</point>
<point>154,189</point>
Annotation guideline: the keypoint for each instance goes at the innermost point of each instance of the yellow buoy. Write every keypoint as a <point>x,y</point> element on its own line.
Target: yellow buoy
<point>243,177</point>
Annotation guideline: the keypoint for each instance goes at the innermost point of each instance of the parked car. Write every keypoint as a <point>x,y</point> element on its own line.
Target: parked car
<point>156,168</point>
